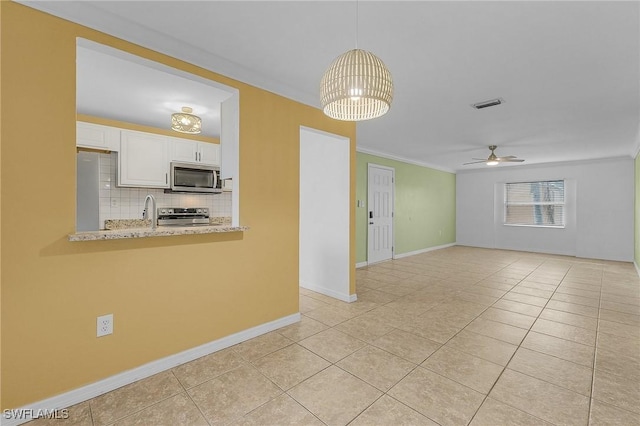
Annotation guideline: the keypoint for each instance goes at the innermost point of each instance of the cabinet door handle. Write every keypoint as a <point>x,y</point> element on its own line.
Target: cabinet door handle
<point>196,156</point>
<point>166,178</point>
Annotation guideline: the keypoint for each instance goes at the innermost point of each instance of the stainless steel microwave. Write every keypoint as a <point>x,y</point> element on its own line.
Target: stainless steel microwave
<point>188,177</point>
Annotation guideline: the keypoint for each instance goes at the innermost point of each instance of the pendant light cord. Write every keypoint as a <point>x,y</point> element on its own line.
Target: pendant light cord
<point>356,24</point>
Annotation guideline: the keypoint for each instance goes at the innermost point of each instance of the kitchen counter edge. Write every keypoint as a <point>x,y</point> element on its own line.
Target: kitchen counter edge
<point>118,234</point>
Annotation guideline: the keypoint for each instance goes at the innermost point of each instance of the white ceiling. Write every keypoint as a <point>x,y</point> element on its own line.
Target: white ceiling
<point>120,86</point>
<point>568,71</point>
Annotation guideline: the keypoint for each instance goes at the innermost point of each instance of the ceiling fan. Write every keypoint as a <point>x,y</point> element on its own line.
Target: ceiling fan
<point>494,160</point>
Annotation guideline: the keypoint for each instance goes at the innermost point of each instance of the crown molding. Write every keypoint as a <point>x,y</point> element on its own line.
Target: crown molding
<point>87,14</point>
<point>389,156</point>
<point>550,164</point>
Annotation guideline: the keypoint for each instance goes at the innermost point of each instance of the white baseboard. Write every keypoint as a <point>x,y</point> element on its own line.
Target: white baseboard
<point>329,292</point>
<point>637,267</point>
<point>425,250</point>
<point>85,393</point>
<point>361,264</point>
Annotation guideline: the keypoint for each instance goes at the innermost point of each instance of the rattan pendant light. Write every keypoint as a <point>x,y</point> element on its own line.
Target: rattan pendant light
<point>357,86</point>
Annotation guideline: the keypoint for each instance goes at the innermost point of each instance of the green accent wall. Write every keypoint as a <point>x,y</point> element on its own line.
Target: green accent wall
<point>637,215</point>
<point>425,206</point>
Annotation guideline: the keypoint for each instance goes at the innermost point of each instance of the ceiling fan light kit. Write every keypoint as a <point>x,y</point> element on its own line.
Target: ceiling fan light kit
<point>494,160</point>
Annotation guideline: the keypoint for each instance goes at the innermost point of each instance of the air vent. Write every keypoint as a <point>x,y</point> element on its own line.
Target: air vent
<point>487,104</point>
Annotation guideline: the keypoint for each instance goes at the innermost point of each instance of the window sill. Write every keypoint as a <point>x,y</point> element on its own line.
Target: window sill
<point>535,226</point>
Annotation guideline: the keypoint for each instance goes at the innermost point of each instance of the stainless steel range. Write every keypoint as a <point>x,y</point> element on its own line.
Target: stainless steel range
<point>179,216</point>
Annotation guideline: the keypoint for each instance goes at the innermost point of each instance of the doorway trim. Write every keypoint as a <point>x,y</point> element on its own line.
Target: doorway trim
<point>371,166</point>
<point>325,217</point>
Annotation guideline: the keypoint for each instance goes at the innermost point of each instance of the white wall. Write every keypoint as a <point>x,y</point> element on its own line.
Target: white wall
<point>324,213</point>
<point>599,199</point>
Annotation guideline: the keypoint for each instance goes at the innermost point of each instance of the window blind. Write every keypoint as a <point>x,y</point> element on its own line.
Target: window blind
<point>538,203</point>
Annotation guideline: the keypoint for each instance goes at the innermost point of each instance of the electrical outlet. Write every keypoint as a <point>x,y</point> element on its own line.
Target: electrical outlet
<point>105,325</point>
<point>114,202</point>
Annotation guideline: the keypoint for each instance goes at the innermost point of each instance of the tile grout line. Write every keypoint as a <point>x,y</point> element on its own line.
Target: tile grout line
<point>331,364</point>
<point>519,346</point>
<point>284,391</point>
<point>370,344</point>
<point>544,307</point>
<point>93,423</point>
<point>505,366</point>
<point>366,343</point>
<point>146,406</point>
<point>186,391</point>
<point>528,330</point>
<point>477,316</point>
<point>595,350</point>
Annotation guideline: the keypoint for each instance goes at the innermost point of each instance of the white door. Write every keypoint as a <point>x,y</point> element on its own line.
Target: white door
<point>380,213</point>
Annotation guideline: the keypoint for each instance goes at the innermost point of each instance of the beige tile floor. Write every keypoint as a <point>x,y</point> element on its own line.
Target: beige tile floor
<point>452,337</point>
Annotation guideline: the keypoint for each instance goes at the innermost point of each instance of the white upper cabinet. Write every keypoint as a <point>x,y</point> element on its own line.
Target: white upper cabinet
<point>210,153</point>
<point>143,160</point>
<point>184,150</point>
<point>96,136</point>
<point>188,151</point>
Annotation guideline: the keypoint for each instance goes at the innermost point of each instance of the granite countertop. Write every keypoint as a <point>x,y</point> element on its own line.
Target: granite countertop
<point>111,224</point>
<point>137,228</point>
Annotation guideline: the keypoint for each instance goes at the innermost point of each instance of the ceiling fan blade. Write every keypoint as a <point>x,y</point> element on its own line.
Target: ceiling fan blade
<point>510,160</point>
<point>481,159</point>
<point>475,162</point>
<point>506,157</point>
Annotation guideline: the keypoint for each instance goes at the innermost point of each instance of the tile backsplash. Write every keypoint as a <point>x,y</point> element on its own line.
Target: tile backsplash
<point>128,203</point>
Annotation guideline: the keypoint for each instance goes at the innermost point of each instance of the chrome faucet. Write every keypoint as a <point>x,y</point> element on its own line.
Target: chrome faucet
<point>145,213</point>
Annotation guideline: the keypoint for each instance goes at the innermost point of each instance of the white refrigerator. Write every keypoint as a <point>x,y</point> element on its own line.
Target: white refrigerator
<point>88,191</point>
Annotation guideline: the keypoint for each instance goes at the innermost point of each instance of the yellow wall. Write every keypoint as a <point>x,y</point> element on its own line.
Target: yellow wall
<point>167,294</point>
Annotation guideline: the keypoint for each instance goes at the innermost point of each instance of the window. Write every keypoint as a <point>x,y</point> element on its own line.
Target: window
<point>535,203</point>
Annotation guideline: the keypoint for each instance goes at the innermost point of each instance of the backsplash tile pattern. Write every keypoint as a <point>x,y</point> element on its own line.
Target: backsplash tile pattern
<point>128,203</point>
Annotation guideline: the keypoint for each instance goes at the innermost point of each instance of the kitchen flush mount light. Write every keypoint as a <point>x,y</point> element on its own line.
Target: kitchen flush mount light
<point>357,86</point>
<point>185,122</point>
